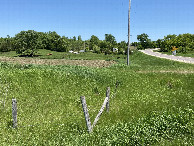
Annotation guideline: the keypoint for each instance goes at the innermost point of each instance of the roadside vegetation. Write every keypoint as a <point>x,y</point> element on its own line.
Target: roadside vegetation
<point>184,43</point>
<point>152,103</point>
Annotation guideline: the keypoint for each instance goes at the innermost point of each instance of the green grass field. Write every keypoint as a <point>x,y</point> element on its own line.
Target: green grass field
<point>153,103</point>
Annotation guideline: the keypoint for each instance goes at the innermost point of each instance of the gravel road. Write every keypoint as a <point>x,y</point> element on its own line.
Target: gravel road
<point>170,57</point>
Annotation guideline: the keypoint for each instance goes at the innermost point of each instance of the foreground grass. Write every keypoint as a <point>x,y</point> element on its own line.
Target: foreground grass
<point>148,107</point>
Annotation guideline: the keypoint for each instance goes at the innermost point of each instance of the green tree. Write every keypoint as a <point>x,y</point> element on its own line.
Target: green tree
<point>103,45</point>
<point>26,43</point>
<point>79,38</point>
<point>63,44</point>
<point>110,38</point>
<point>53,39</point>
<point>144,41</point>
<point>74,38</point>
<point>76,45</point>
<point>184,42</point>
<point>110,43</point>
<point>96,49</point>
<point>94,40</point>
<point>6,44</point>
<point>122,47</point>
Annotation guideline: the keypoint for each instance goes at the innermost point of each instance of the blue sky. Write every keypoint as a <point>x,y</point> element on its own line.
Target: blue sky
<point>157,18</point>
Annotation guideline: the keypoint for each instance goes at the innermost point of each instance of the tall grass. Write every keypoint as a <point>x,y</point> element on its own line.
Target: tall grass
<point>148,108</point>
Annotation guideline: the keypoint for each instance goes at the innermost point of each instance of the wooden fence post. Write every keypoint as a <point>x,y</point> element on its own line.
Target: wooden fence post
<point>100,112</point>
<point>14,112</point>
<point>107,95</point>
<point>86,114</point>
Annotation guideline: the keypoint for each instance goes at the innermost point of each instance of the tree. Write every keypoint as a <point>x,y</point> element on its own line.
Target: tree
<point>6,44</point>
<point>103,45</point>
<point>79,43</point>
<point>170,37</point>
<point>184,42</point>
<point>144,41</point>
<point>26,43</point>
<point>63,44</point>
<point>53,41</point>
<point>94,40</point>
<point>79,38</point>
<point>96,49</point>
<point>111,41</point>
<point>74,38</point>
<point>122,47</point>
<point>110,38</point>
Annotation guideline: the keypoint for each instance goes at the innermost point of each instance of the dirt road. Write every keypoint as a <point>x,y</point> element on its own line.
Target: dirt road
<point>170,57</point>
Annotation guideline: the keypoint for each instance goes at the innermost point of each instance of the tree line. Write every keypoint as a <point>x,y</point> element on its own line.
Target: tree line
<point>184,42</point>
<point>27,43</point>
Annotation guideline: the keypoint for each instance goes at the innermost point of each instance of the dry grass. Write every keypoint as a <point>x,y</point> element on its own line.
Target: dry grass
<point>90,63</point>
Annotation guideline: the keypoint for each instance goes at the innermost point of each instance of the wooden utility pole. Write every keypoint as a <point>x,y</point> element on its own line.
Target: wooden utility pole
<point>128,49</point>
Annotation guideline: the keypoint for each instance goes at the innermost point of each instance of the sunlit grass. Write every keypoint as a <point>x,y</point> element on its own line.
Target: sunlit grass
<point>50,112</point>
<point>43,54</point>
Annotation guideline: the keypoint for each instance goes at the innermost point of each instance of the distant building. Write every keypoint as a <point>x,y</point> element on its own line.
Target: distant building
<point>133,48</point>
<point>82,51</point>
<point>115,49</point>
<point>75,52</point>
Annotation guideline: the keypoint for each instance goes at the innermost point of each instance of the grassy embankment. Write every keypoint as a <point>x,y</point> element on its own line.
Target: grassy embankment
<point>153,103</point>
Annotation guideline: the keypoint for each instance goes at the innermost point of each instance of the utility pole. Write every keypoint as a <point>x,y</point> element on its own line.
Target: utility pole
<point>128,32</point>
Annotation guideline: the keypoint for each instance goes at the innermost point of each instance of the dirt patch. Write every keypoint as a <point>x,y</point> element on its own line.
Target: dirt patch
<point>90,63</point>
<point>168,71</point>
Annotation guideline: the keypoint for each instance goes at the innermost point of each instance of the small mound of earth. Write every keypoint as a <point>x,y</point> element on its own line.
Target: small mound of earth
<point>90,63</point>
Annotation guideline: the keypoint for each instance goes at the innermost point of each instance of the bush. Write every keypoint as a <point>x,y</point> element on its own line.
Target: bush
<point>140,47</point>
<point>5,44</point>
<point>27,43</point>
<point>96,49</point>
<point>4,47</point>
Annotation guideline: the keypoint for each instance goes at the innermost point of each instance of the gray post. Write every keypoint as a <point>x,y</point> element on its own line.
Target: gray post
<point>14,112</point>
<point>86,114</point>
<point>107,95</point>
<point>128,32</point>
<point>100,112</point>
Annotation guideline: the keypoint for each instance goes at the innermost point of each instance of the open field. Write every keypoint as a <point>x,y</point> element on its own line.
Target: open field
<point>153,103</point>
<point>42,54</point>
<point>89,63</point>
<point>61,58</point>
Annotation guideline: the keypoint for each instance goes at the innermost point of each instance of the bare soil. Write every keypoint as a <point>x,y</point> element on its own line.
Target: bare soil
<point>90,63</point>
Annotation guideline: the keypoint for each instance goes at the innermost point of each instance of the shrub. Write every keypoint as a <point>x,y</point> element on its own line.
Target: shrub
<point>27,43</point>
